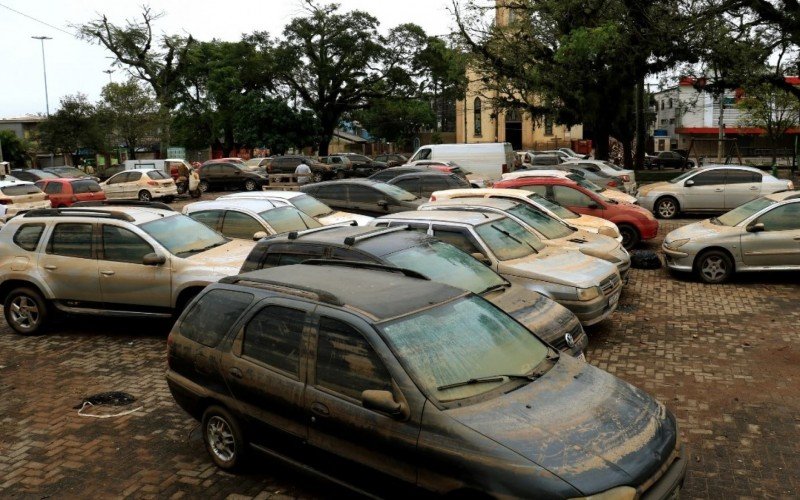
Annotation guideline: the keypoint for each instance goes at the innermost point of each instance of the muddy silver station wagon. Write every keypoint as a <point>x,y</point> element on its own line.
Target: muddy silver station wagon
<point>396,383</point>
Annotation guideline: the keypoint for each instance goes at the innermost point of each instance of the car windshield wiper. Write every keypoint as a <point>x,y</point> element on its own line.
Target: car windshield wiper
<point>715,221</point>
<point>488,379</point>
<point>198,250</point>
<point>503,231</point>
<point>492,288</point>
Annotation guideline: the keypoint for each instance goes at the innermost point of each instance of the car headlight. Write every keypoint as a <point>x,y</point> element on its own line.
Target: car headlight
<point>608,231</point>
<point>620,493</point>
<point>678,243</point>
<point>588,293</point>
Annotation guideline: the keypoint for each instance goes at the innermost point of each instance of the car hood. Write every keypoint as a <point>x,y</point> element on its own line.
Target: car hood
<point>543,316</point>
<point>592,223</point>
<point>618,196</point>
<point>226,259</point>
<point>700,231</point>
<point>588,243</point>
<point>562,266</point>
<point>582,424</point>
<point>656,187</point>
<point>337,217</point>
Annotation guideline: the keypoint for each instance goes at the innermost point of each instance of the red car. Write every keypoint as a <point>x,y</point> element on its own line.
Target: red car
<point>635,223</point>
<point>63,192</point>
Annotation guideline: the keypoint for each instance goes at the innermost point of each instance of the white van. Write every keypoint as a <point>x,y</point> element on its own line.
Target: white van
<point>168,166</point>
<point>487,161</point>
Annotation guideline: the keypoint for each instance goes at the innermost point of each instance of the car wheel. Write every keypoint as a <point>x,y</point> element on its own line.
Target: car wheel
<point>667,207</point>
<point>203,186</point>
<point>181,187</point>
<point>630,236</point>
<point>340,174</point>
<point>144,195</point>
<point>714,266</point>
<point>223,438</point>
<point>25,311</point>
<point>250,185</point>
<point>317,177</point>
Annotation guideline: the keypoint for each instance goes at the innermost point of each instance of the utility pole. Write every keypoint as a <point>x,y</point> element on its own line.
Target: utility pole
<point>721,138</point>
<point>44,71</point>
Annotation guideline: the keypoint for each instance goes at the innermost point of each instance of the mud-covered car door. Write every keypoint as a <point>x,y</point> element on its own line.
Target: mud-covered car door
<point>69,264</point>
<point>346,358</point>
<point>267,370</point>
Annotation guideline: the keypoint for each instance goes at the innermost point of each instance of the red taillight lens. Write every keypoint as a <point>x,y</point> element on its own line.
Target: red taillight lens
<point>152,183</point>
<point>612,184</point>
<point>433,198</point>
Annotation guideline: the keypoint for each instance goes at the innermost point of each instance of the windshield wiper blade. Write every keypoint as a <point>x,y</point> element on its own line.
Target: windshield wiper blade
<point>487,379</point>
<point>503,231</point>
<point>198,250</point>
<point>492,288</point>
<point>714,220</point>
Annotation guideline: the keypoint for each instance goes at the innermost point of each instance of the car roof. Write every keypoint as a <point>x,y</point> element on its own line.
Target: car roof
<point>378,241</point>
<point>476,201</point>
<point>405,168</point>
<point>784,195</point>
<point>484,192</point>
<point>717,166</point>
<point>382,294</point>
<point>263,195</point>
<point>139,214</point>
<point>565,181</point>
<point>365,182</point>
<point>425,173</point>
<point>252,204</point>
<point>7,182</point>
<point>457,216</point>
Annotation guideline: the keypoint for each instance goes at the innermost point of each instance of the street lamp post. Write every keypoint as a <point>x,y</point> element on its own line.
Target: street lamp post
<point>109,72</point>
<point>44,71</point>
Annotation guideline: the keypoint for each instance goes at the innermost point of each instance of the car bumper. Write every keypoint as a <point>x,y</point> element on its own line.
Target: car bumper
<point>649,229</point>
<point>669,485</point>
<point>647,202</point>
<point>165,192</point>
<point>593,311</point>
<point>677,260</point>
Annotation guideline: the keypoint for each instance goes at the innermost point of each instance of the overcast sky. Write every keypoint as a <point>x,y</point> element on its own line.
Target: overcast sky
<point>76,66</point>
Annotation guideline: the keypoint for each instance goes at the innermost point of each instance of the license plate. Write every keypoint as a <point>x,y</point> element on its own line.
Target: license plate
<point>581,357</point>
<point>614,299</point>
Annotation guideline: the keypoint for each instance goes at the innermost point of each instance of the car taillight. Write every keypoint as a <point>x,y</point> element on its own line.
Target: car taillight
<point>6,202</point>
<point>152,183</point>
<point>505,168</point>
<point>626,178</point>
<point>612,184</point>
<point>433,198</point>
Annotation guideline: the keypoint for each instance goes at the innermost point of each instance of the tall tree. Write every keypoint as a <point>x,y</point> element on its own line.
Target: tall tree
<point>335,62</point>
<point>397,120</point>
<point>15,150</point>
<point>132,112</point>
<point>76,124</point>
<point>772,109</point>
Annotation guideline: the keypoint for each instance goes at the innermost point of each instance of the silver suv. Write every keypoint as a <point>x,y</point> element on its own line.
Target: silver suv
<point>121,259</point>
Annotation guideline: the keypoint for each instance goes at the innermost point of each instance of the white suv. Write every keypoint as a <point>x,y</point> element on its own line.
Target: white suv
<point>119,259</point>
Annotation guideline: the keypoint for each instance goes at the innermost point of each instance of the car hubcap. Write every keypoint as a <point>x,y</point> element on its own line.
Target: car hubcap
<point>714,268</point>
<point>24,312</point>
<point>666,209</point>
<point>250,185</point>
<point>220,439</point>
<point>203,187</point>
<point>626,236</point>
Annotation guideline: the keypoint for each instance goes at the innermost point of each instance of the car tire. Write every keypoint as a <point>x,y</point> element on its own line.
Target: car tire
<point>223,438</point>
<point>25,311</point>
<point>340,174</point>
<point>317,177</point>
<point>181,187</point>
<point>144,195</point>
<point>714,266</point>
<point>250,185</point>
<point>630,236</point>
<point>203,186</point>
<point>667,207</point>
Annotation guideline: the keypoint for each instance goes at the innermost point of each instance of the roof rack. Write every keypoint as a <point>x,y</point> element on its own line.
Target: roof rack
<point>352,240</point>
<point>124,203</point>
<point>366,265</point>
<point>70,212</point>
<point>320,295</point>
<point>293,235</point>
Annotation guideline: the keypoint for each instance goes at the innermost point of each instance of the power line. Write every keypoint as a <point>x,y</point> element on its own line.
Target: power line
<point>37,20</point>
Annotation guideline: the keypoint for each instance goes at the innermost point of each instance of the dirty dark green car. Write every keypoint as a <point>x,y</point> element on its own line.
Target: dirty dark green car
<point>391,384</point>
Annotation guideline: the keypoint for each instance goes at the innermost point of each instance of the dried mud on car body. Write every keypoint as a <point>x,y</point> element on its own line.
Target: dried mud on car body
<point>724,359</point>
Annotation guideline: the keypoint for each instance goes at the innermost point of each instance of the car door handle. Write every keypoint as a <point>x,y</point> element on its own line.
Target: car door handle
<point>51,267</point>
<point>754,188</point>
<point>107,273</point>
<point>235,373</point>
<point>320,409</point>
<point>797,239</point>
<point>718,190</point>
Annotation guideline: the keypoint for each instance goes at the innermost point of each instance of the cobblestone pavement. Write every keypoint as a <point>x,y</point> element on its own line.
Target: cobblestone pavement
<point>725,359</point>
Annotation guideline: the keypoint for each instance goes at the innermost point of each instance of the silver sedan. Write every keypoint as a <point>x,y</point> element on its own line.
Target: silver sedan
<point>763,234</point>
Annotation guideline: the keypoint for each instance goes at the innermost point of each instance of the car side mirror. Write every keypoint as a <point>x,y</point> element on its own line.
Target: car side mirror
<point>153,259</point>
<point>481,258</point>
<point>383,203</point>
<point>689,183</point>
<point>755,228</point>
<point>382,401</point>
<point>261,234</point>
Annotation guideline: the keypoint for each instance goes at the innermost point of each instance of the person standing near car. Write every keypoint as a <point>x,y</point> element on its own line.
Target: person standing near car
<point>303,173</point>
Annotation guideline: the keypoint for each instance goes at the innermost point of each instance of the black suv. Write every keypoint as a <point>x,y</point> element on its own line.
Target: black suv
<point>364,196</point>
<point>394,383</point>
<point>224,175</point>
<point>288,163</point>
<point>401,247</point>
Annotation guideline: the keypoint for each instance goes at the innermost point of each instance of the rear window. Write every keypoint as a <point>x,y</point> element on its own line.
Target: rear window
<point>157,174</point>
<point>28,235</point>
<point>20,190</point>
<point>213,315</point>
<point>87,186</point>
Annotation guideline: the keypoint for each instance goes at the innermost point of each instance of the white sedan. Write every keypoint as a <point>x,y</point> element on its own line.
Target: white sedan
<point>142,185</point>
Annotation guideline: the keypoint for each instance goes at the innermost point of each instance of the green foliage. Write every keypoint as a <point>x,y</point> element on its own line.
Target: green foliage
<point>397,120</point>
<point>769,108</point>
<point>76,124</point>
<point>15,150</point>
<point>132,113</point>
